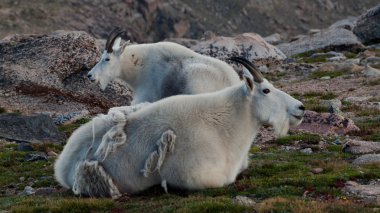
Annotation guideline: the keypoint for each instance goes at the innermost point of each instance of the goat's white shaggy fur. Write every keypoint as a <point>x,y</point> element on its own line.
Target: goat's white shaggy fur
<point>186,141</point>
<point>163,69</point>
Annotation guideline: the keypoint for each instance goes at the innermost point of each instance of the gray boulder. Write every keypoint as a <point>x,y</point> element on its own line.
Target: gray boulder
<point>248,45</point>
<point>367,159</point>
<point>367,27</point>
<point>336,39</point>
<point>347,23</point>
<point>33,129</point>
<point>46,73</point>
<point>361,147</point>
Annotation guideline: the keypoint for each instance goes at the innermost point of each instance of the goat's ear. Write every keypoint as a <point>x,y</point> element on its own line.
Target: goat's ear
<point>116,44</point>
<point>124,46</point>
<point>248,79</point>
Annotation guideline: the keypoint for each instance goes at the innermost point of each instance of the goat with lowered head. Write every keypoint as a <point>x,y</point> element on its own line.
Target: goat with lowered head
<point>186,141</point>
<point>159,70</point>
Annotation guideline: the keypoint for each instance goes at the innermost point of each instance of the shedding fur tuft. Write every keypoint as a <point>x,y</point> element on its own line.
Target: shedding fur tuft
<point>157,157</point>
<point>92,180</point>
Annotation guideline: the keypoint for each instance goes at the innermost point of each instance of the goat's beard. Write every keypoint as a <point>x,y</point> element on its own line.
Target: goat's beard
<point>281,128</point>
<point>103,82</point>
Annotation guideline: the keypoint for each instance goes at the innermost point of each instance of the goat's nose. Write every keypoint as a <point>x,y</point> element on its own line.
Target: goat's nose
<point>302,107</point>
<point>89,76</point>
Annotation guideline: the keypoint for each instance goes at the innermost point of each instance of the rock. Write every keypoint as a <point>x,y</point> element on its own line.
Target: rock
<point>184,41</point>
<point>337,142</point>
<point>52,154</point>
<point>45,191</point>
<point>337,58</point>
<point>361,147</point>
<point>370,193</point>
<point>367,159</point>
<point>24,147</point>
<point>372,61</point>
<point>248,45</point>
<point>244,201</point>
<point>35,157</point>
<point>326,123</point>
<point>50,73</point>
<point>306,150</point>
<point>273,39</point>
<point>28,190</point>
<point>371,72</point>
<point>70,117</point>
<point>325,78</point>
<point>32,129</point>
<point>347,23</point>
<point>313,31</point>
<point>317,170</point>
<point>345,66</point>
<point>333,105</point>
<point>330,39</point>
<point>367,27</point>
<point>357,99</point>
<point>22,179</point>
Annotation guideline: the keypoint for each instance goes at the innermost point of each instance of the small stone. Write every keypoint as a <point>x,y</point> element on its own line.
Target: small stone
<point>351,183</point>
<point>52,154</point>
<point>35,157</point>
<point>44,191</point>
<point>244,201</point>
<point>22,179</point>
<point>357,99</point>
<point>367,159</point>
<point>325,78</point>
<point>361,147</point>
<point>24,147</point>
<point>28,190</point>
<point>307,151</point>
<point>337,58</point>
<point>317,170</point>
<point>337,142</point>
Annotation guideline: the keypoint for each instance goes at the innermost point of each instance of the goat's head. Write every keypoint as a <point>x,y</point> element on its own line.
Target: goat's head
<point>108,68</point>
<point>269,104</point>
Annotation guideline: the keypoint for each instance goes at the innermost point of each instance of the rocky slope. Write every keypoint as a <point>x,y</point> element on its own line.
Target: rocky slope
<point>154,20</point>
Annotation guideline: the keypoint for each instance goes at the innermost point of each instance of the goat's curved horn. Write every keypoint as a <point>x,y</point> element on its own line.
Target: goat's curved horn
<point>258,77</point>
<point>112,37</point>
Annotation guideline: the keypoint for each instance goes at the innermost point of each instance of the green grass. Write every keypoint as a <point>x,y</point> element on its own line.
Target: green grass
<point>369,129</point>
<point>320,74</point>
<point>305,137</point>
<point>315,105</point>
<point>272,173</point>
<point>350,55</point>
<point>69,128</point>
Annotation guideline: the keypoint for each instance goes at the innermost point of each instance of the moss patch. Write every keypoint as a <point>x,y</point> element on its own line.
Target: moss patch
<point>320,74</point>
<point>68,129</point>
<point>305,137</point>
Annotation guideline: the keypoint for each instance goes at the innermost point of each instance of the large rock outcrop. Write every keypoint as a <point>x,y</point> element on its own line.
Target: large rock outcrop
<point>41,73</point>
<point>330,39</point>
<point>248,45</point>
<point>33,129</point>
<point>367,27</point>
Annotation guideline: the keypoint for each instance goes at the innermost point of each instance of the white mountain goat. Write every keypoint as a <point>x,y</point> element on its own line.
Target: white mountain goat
<point>159,70</point>
<point>186,141</point>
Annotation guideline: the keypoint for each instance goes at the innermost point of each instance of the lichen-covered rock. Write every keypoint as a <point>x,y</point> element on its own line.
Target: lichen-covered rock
<point>370,193</point>
<point>326,123</point>
<point>347,23</point>
<point>248,45</point>
<point>331,39</point>
<point>361,147</point>
<point>40,73</point>
<point>367,159</point>
<point>367,27</point>
<point>33,129</point>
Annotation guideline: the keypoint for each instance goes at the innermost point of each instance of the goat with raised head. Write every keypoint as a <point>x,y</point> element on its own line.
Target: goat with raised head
<point>186,141</point>
<point>159,70</point>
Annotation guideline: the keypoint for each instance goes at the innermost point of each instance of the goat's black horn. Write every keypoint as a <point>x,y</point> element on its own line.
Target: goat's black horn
<point>112,37</point>
<point>257,76</point>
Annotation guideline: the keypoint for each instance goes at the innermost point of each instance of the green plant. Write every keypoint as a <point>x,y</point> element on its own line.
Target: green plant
<point>332,74</point>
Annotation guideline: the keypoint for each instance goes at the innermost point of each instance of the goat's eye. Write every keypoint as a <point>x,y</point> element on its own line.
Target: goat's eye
<point>107,59</point>
<point>266,91</point>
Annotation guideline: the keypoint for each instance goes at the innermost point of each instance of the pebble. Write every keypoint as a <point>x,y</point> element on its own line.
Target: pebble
<point>28,190</point>
<point>307,151</point>
<point>325,78</point>
<point>244,201</point>
<point>317,170</point>
<point>22,179</point>
<point>52,154</point>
